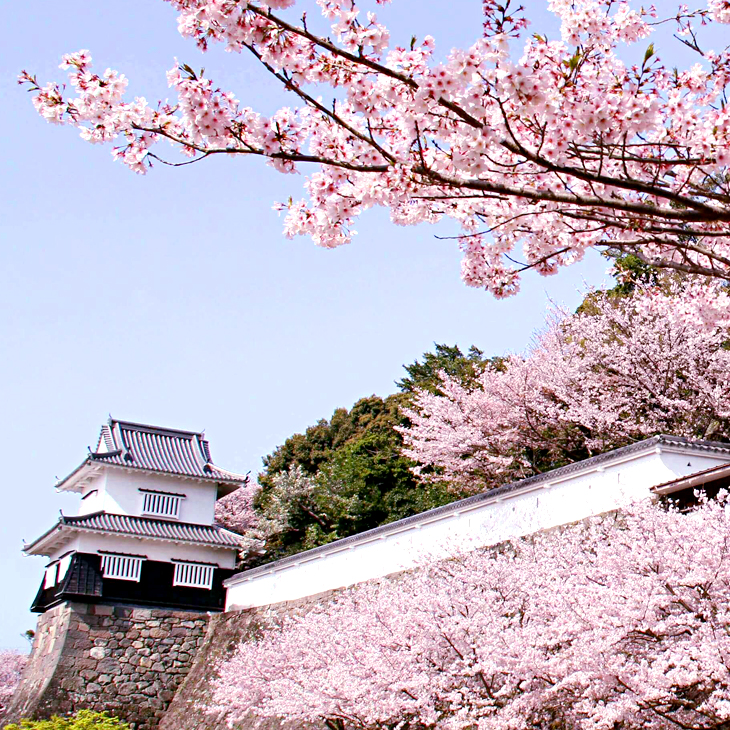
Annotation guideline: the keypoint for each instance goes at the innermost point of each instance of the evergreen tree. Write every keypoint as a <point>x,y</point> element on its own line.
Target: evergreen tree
<point>448,359</point>
<point>340,477</point>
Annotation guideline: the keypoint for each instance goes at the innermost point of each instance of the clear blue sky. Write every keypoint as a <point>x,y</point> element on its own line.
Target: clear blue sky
<point>173,299</point>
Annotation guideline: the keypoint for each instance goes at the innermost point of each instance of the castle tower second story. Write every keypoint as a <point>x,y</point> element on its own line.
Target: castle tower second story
<point>145,532</point>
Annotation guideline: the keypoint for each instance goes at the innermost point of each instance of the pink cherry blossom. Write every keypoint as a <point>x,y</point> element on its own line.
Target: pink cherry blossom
<point>539,149</point>
<point>618,622</point>
<point>236,512</point>
<point>12,664</point>
<point>621,371</point>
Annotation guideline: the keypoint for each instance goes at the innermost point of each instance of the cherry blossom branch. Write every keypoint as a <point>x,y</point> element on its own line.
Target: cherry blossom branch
<point>558,148</point>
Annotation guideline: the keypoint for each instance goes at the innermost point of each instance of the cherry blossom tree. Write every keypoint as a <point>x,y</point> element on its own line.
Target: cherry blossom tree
<point>236,512</point>
<point>622,370</point>
<point>12,664</point>
<point>559,146</point>
<point>292,491</point>
<point>618,622</point>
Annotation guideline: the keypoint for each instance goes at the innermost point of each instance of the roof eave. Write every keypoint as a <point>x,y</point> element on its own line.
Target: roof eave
<point>226,488</point>
<point>161,538</point>
<point>49,541</point>
<point>75,481</point>
<point>693,480</point>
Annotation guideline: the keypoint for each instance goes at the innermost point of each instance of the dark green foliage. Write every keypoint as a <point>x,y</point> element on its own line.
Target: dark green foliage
<point>449,359</point>
<point>360,478</point>
<point>315,447</point>
<point>629,271</point>
<point>82,720</point>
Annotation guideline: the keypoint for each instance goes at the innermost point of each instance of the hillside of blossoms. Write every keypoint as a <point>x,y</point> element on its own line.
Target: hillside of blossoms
<point>618,622</point>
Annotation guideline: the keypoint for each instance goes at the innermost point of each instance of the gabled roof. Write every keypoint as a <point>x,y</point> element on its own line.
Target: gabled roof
<point>113,524</point>
<point>153,449</point>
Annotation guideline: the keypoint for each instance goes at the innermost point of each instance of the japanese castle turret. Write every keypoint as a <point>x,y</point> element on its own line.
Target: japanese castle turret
<point>145,533</point>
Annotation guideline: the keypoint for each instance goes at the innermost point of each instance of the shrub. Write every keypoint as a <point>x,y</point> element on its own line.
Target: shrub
<point>82,720</point>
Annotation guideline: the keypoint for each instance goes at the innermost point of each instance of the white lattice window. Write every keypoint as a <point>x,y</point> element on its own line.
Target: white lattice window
<point>193,575</point>
<point>121,567</point>
<point>162,504</point>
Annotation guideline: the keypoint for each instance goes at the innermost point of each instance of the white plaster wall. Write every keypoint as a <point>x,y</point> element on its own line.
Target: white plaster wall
<point>161,550</point>
<point>96,491</point>
<point>536,508</point>
<point>70,546</point>
<point>118,493</point>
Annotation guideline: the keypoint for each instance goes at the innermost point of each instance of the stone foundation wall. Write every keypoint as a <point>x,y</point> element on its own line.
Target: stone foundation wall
<point>129,661</point>
<point>225,632</point>
<point>50,638</point>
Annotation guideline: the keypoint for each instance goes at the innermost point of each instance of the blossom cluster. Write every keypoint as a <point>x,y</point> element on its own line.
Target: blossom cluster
<point>618,622</point>
<point>621,370</point>
<point>237,512</point>
<point>553,149</point>
<point>12,664</point>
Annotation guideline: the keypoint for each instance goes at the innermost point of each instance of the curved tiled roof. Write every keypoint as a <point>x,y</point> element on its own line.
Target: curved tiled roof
<point>156,449</point>
<point>209,535</point>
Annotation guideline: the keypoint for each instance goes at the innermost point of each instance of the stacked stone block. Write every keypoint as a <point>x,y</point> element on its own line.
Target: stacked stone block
<point>225,632</point>
<point>128,661</point>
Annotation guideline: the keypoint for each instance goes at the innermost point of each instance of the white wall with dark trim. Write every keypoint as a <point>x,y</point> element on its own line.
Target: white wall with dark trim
<point>603,485</point>
<point>117,491</point>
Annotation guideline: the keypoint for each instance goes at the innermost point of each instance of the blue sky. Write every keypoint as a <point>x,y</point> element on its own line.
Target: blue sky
<point>173,299</point>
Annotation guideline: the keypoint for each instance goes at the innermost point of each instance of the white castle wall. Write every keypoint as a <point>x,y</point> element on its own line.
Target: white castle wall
<point>116,491</point>
<point>441,533</point>
<point>160,550</point>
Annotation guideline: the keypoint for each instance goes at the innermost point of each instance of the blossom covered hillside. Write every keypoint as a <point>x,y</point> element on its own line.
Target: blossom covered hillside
<point>618,622</point>
<point>538,148</point>
<point>623,369</point>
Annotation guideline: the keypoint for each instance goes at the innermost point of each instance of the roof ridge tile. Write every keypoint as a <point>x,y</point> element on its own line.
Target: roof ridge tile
<point>138,526</point>
<point>158,449</point>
